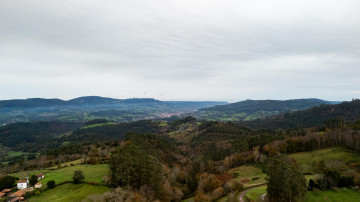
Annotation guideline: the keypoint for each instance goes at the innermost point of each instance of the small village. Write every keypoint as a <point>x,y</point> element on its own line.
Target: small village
<point>23,186</point>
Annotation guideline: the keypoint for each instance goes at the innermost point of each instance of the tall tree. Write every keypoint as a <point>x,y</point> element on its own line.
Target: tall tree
<point>132,166</point>
<point>33,180</point>
<point>78,176</point>
<point>286,182</point>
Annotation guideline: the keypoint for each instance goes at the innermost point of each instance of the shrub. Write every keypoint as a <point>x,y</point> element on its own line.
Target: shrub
<point>50,184</point>
<point>92,161</point>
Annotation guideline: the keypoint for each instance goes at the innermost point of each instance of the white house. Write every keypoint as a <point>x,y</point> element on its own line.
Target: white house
<point>22,184</point>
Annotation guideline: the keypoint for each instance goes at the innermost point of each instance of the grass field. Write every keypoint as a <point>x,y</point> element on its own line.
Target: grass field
<point>255,193</point>
<point>333,196</point>
<point>75,162</point>
<point>163,124</point>
<point>329,154</point>
<point>93,173</point>
<point>254,174</point>
<point>69,192</point>
<point>15,153</point>
<point>307,159</point>
<point>24,174</point>
<point>98,124</point>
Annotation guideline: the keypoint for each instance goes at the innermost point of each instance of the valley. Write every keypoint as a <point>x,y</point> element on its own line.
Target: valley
<point>185,159</point>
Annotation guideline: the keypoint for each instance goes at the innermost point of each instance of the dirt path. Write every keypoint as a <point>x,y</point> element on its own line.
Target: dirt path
<point>243,193</point>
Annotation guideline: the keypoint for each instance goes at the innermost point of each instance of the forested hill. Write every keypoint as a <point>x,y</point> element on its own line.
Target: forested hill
<point>91,100</point>
<point>253,109</point>
<point>93,107</point>
<point>324,115</point>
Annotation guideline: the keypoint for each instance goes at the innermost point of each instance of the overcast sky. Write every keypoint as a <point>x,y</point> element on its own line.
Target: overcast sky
<point>226,50</point>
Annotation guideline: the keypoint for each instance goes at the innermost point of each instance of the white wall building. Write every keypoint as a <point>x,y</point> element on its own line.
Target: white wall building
<point>22,184</point>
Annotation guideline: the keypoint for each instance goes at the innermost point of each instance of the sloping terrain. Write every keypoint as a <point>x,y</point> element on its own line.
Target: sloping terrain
<point>254,109</point>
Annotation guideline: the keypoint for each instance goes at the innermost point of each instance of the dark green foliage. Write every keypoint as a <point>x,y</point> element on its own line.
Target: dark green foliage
<point>267,105</point>
<point>129,165</point>
<point>7,182</point>
<point>33,136</point>
<point>220,132</point>
<point>331,116</point>
<point>95,121</point>
<point>332,178</point>
<point>285,181</point>
<point>346,181</point>
<point>50,184</point>
<point>160,146</point>
<point>67,150</point>
<point>33,180</point>
<point>253,109</point>
<point>78,176</point>
<point>239,146</point>
<point>112,132</point>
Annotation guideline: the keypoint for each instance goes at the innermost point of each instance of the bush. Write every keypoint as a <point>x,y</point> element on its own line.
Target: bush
<point>78,176</point>
<point>92,161</point>
<point>50,184</point>
<point>255,178</point>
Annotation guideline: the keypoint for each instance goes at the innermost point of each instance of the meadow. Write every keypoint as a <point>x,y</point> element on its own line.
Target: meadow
<point>342,194</point>
<point>93,173</point>
<point>98,125</point>
<point>307,160</point>
<point>254,194</point>
<point>329,154</point>
<point>69,192</point>
<point>253,173</point>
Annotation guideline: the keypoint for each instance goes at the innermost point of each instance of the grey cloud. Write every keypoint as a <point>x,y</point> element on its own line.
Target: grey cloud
<point>223,50</point>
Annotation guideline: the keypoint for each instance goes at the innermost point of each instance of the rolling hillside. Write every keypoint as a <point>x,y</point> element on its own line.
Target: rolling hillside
<point>324,115</point>
<point>254,109</point>
<point>92,107</point>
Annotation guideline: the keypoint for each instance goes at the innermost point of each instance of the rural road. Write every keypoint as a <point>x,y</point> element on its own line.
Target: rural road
<point>243,193</point>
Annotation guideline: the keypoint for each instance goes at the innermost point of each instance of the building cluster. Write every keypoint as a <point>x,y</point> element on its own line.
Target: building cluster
<point>23,187</point>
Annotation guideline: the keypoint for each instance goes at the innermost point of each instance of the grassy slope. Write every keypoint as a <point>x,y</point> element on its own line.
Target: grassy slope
<point>255,193</point>
<point>307,159</point>
<point>16,153</point>
<point>93,173</point>
<point>329,154</point>
<point>75,162</point>
<point>98,124</point>
<point>69,192</point>
<point>249,172</point>
<point>330,195</point>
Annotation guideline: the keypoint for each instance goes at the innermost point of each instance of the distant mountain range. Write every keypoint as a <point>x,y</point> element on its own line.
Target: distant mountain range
<point>91,107</point>
<point>253,109</point>
<point>91,100</point>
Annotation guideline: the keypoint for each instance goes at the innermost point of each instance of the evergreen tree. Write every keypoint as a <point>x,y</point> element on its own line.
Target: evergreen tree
<point>286,182</point>
<point>33,180</point>
<point>130,165</point>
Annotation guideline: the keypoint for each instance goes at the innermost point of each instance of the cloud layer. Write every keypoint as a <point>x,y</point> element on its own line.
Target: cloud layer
<point>181,49</point>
